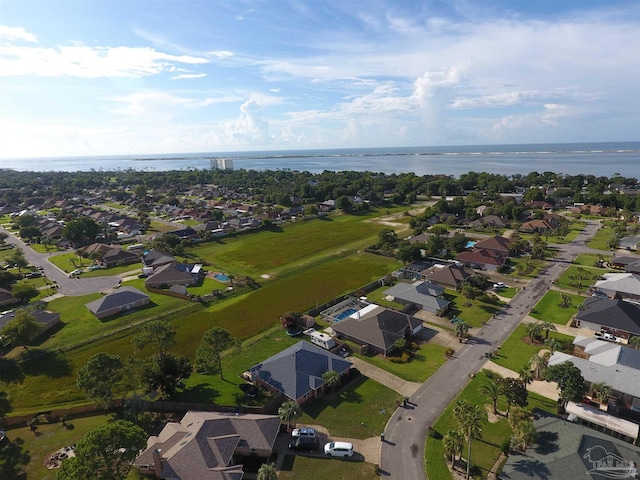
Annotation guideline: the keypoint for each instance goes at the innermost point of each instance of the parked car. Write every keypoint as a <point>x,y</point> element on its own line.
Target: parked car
<point>77,271</point>
<point>343,352</point>
<point>33,275</point>
<point>307,444</point>
<point>304,432</point>
<point>338,449</point>
<point>499,285</point>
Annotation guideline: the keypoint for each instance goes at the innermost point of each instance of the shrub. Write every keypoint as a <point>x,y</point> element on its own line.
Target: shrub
<point>490,374</point>
<point>449,352</point>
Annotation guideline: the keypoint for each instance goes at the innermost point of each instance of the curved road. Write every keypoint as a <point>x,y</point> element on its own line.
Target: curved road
<point>66,285</point>
<point>402,452</point>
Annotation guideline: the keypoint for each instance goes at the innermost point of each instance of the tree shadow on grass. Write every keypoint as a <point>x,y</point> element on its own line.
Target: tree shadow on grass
<point>347,395</point>
<point>44,362</point>
<point>10,371</point>
<point>200,393</point>
<point>13,459</point>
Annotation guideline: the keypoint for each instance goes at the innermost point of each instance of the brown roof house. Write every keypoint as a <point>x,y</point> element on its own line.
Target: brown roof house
<point>157,258</point>
<point>497,244</point>
<point>6,298</point>
<point>448,276</point>
<point>296,372</point>
<point>482,259</point>
<point>186,274</point>
<point>111,255</point>
<point>122,300</point>
<point>208,446</point>
<point>377,327</point>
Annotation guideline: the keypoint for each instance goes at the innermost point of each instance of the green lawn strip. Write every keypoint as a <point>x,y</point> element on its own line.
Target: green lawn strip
<point>377,296</point>
<point>548,309</point>
<point>40,248</point>
<point>590,276</point>
<point>70,261</point>
<point>601,239</point>
<point>475,314</point>
<point>514,353</point>
<point>325,468</point>
<point>161,227</point>
<point>249,314</point>
<point>508,292</point>
<point>426,361</point>
<point>538,265</point>
<point>262,252</point>
<point>589,260</point>
<point>484,451</point>
<point>131,269</point>
<point>50,438</point>
<point>363,401</point>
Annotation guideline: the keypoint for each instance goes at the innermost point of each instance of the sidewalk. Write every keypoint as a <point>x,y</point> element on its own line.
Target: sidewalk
<point>404,388</point>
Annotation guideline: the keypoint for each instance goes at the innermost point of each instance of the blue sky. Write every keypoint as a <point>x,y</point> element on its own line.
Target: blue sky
<point>93,77</point>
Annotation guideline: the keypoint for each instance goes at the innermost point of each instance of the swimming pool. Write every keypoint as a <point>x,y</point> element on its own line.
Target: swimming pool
<point>221,277</point>
<point>345,313</point>
<point>470,243</point>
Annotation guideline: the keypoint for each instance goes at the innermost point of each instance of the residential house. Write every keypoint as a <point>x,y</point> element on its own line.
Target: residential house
<point>482,259</point>
<point>630,242</point>
<point>296,372</point>
<point>111,255</point>
<point>448,276</point>
<point>156,258</point>
<point>630,264</point>
<point>615,365</point>
<point>618,285</point>
<point>46,320</point>
<point>570,450</point>
<point>6,298</point>
<point>488,221</point>
<point>122,300</point>
<point>423,295</point>
<point>186,274</point>
<point>498,244</point>
<point>538,226</point>
<point>616,316</point>
<point>208,445</point>
<point>377,327</point>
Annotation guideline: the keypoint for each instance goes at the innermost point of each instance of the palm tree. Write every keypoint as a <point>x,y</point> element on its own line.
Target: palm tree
<point>553,344</point>
<point>635,342</point>
<point>452,445</point>
<point>547,327</point>
<point>331,379</point>
<point>462,328</point>
<point>267,471</point>
<point>471,418</point>
<point>288,411</point>
<point>492,391</point>
<point>565,301</point>
<point>467,293</point>
<point>601,391</point>
<point>539,363</point>
<point>533,330</point>
<point>524,435</point>
<point>524,374</point>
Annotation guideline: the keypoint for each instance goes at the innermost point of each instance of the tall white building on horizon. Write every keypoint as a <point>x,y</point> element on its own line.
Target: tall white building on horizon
<point>221,164</point>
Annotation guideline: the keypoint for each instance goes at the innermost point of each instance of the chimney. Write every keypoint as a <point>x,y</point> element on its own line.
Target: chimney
<point>157,462</point>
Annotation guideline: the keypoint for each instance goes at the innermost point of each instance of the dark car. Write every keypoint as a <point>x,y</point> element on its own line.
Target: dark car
<point>307,444</point>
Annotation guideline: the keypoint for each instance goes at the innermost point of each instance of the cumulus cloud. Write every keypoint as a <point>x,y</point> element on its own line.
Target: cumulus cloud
<point>250,128</point>
<point>17,33</point>
<point>89,62</point>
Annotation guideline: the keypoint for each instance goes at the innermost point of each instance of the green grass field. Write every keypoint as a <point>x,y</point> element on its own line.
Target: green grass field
<point>514,353</point>
<point>589,276</point>
<point>427,360</point>
<point>324,468</point>
<point>475,314</point>
<point>601,238</point>
<point>548,308</point>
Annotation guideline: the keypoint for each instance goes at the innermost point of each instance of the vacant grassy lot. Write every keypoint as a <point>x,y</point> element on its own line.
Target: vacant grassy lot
<point>601,238</point>
<point>363,401</point>
<point>548,308</point>
<point>484,451</point>
<point>474,314</point>
<point>267,251</point>
<point>514,352</point>
<point>324,468</point>
<point>589,260</point>
<point>427,360</point>
<point>569,279</point>
<point>37,448</point>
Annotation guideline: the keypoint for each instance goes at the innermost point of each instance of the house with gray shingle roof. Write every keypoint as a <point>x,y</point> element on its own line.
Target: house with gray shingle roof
<point>122,300</point>
<point>297,371</point>
<point>208,446</point>
<point>186,274</point>
<point>619,317</point>
<point>377,327</point>
<point>424,295</point>
<point>157,258</point>
<point>622,285</point>
<point>629,263</point>
<point>566,450</point>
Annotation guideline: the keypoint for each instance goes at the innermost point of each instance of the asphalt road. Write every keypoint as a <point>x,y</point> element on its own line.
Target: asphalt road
<point>66,286</point>
<point>402,452</point>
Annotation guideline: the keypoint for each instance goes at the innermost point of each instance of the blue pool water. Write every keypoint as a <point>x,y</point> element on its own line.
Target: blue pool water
<point>344,314</point>
<point>221,277</point>
<point>470,243</point>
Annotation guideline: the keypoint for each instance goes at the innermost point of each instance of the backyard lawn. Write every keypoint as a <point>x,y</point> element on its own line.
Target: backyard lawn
<point>363,401</point>
<point>37,448</point>
<point>514,352</point>
<point>548,309</point>
<point>486,450</point>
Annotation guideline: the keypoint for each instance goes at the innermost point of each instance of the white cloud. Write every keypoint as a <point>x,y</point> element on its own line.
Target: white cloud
<point>89,62</point>
<point>17,33</point>
<point>220,54</point>
<point>183,76</point>
<point>250,128</point>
